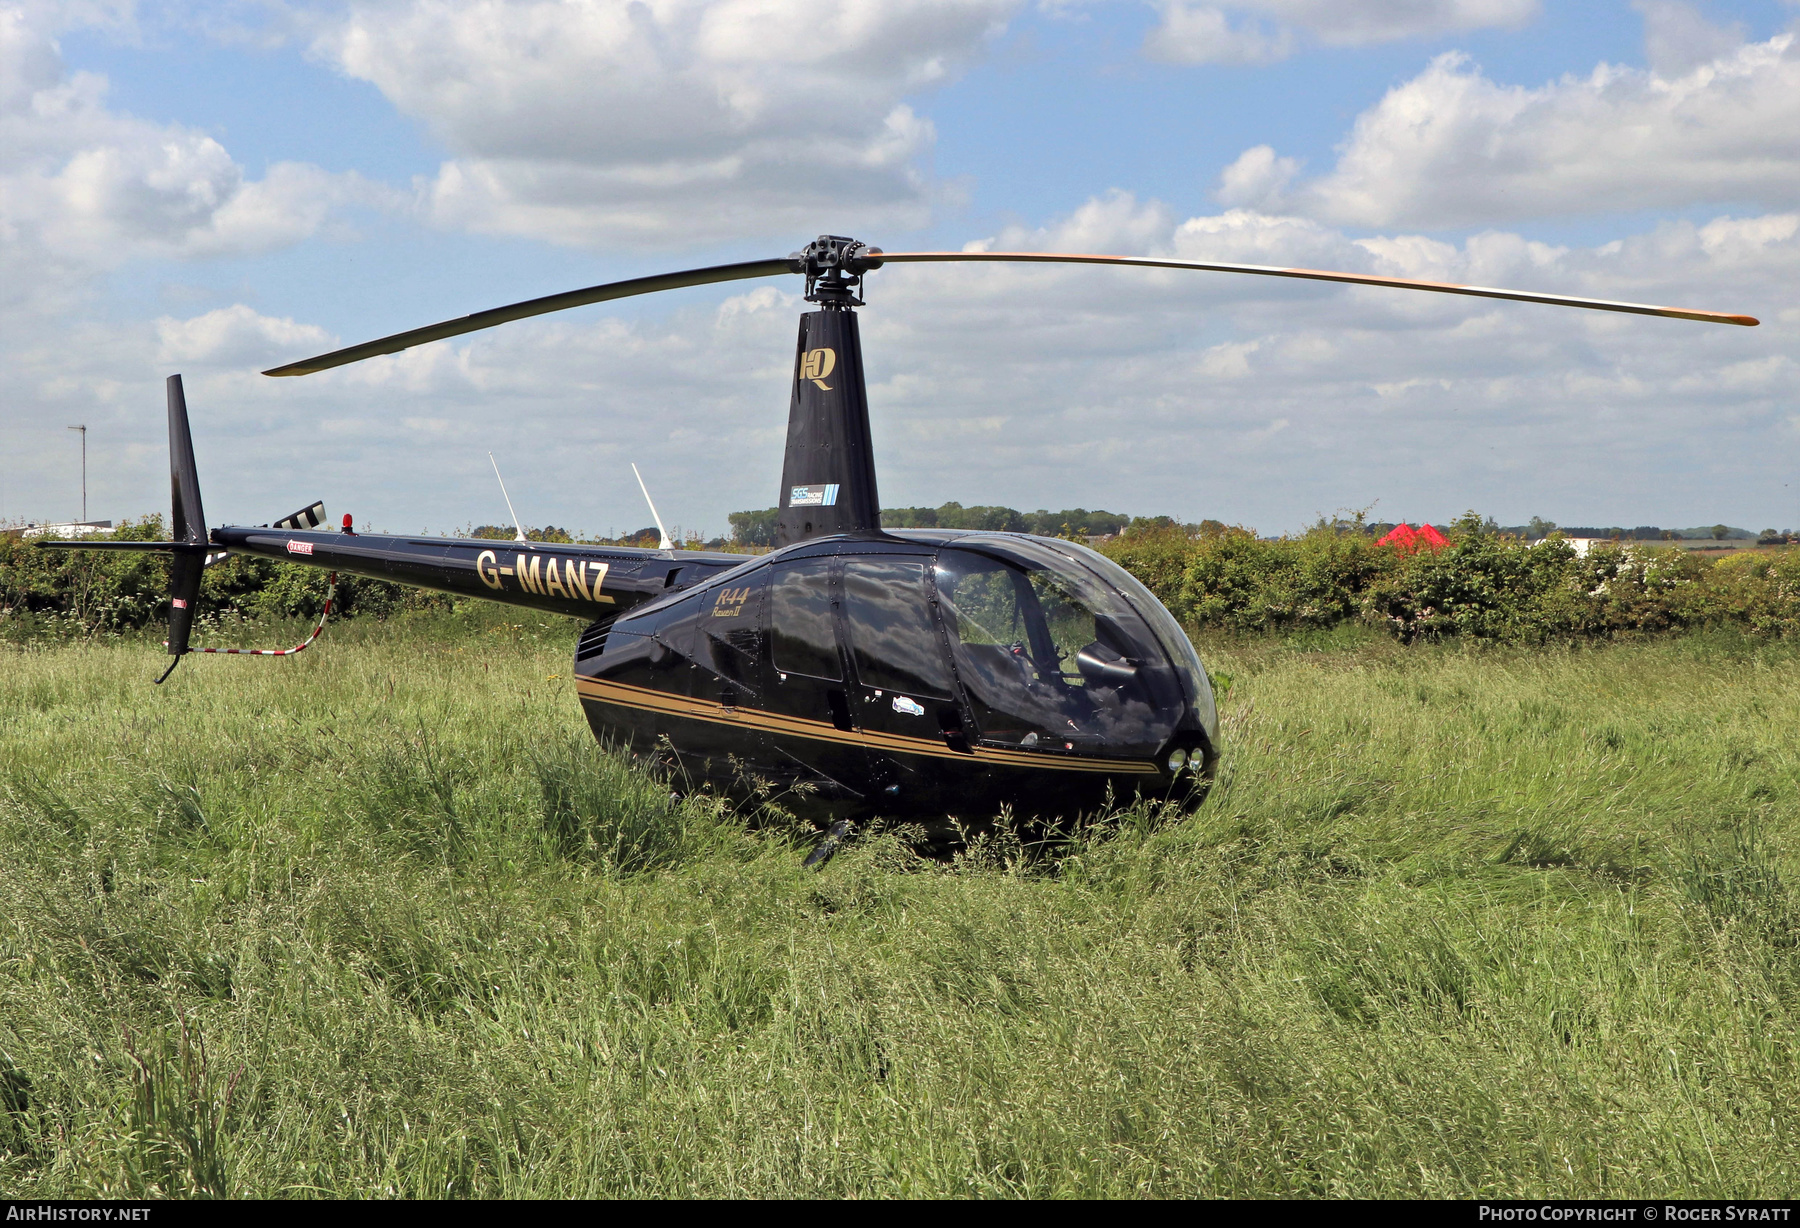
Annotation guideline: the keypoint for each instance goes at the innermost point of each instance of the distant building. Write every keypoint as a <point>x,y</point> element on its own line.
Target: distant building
<point>67,528</point>
<point>1581,545</point>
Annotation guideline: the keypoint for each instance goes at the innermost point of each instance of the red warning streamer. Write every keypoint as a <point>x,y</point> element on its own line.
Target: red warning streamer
<point>325,613</point>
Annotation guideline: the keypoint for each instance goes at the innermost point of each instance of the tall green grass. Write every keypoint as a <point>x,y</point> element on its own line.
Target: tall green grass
<point>381,920</point>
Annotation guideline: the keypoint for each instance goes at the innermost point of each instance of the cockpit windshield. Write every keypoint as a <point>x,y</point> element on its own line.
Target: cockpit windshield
<point>1052,658</point>
<point>1174,640</point>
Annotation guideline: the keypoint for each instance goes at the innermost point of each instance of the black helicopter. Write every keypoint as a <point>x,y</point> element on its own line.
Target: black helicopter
<point>901,673</point>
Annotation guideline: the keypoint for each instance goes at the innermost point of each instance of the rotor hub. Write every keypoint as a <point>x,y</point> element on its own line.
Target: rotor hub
<point>834,266</point>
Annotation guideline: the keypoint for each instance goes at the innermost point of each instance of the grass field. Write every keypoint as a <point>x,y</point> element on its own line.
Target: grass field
<point>381,920</point>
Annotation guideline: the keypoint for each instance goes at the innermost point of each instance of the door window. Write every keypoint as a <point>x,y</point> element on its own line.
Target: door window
<point>892,636</point>
<point>803,639</point>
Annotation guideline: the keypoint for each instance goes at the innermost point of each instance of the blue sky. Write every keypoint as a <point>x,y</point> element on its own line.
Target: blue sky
<point>216,189</point>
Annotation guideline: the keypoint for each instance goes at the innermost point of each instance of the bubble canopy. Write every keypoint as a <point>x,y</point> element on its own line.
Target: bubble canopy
<point>1058,646</point>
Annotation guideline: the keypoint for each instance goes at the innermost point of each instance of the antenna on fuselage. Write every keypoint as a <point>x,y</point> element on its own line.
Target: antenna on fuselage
<point>665,543</point>
<point>518,529</point>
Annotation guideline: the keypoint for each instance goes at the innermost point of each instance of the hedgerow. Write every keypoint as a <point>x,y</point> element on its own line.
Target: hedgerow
<point>1484,586</point>
<point>62,594</point>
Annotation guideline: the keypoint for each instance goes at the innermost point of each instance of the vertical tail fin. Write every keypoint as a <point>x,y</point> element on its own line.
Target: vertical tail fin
<point>828,475</point>
<point>187,521</point>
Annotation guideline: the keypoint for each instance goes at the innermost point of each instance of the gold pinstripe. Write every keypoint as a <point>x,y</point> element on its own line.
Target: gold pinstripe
<point>646,699</point>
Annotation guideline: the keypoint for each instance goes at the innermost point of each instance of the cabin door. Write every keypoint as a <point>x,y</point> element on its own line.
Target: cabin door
<point>811,726</point>
<point>902,695</point>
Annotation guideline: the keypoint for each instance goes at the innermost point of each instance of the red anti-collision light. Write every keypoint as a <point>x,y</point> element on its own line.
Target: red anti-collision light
<point>347,527</point>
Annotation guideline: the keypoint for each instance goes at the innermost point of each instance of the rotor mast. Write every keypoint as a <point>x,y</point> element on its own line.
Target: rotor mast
<point>828,472</point>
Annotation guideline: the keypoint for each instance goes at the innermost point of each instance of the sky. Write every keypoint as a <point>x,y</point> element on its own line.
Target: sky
<point>213,189</point>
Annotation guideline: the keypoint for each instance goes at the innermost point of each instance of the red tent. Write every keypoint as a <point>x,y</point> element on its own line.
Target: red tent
<point>1406,539</point>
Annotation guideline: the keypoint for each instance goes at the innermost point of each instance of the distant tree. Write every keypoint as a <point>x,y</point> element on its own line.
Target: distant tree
<point>909,518</point>
<point>1070,522</point>
<point>1074,522</point>
<point>504,533</point>
<point>980,519</point>
<point>755,528</point>
<point>1768,537</point>
<point>1472,524</point>
<point>1539,527</point>
<point>1721,531</point>
<point>1151,524</point>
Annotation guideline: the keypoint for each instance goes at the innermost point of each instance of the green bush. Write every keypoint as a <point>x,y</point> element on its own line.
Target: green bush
<point>1485,585</point>
<point>61,594</point>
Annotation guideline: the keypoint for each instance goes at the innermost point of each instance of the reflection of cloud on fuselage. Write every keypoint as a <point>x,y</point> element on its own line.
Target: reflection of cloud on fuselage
<point>545,575</point>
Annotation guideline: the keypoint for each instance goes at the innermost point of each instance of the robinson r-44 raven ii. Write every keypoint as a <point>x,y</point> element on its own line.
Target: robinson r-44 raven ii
<point>900,673</point>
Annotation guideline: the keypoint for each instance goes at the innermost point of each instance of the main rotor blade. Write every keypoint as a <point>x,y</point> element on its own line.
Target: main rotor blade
<point>1354,279</point>
<point>534,307</point>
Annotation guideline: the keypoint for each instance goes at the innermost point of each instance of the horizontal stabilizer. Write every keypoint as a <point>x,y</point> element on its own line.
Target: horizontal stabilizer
<point>306,518</point>
<point>151,547</point>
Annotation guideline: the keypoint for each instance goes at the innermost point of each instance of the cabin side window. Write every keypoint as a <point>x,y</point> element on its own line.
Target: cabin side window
<point>802,637</point>
<point>892,636</point>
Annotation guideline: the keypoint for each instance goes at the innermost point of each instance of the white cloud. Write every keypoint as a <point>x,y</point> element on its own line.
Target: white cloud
<point>1677,39</point>
<point>1261,31</point>
<point>1201,395</point>
<point>1452,148</point>
<point>1202,34</point>
<point>1258,179</point>
<point>235,336</point>
<point>1198,394</point>
<point>609,121</point>
<point>85,188</point>
<point>1127,388</point>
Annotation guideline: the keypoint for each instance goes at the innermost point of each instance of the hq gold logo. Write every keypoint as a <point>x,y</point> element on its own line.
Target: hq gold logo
<point>816,365</point>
